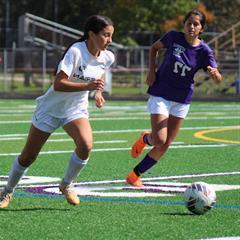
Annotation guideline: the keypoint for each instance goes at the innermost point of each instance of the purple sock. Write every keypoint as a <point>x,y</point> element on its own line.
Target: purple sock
<point>144,165</point>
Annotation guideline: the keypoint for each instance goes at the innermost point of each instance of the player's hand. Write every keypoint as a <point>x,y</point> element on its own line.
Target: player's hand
<point>100,101</point>
<point>151,78</point>
<point>97,84</point>
<point>214,74</point>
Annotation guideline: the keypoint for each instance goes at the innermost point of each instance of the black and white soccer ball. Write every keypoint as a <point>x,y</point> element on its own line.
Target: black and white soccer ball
<point>199,198</point>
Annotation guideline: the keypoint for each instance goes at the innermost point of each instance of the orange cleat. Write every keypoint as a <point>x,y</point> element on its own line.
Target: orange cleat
<point>134,180</point>
<point>139,145</point>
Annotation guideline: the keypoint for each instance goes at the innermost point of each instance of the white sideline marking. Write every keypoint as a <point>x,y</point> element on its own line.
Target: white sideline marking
<point>27,180</point>
<point>154,186</point>
<point>17,113</point>
<point>222,238</point>
<point>126,149</point>
<point>129,106</point>
<point>118,131</point>
<point>14,138</point>
<point>64,140</point>
<point>197,175</point>
<point>159,189</point>
<point>39,181</point>
<point>128,118</point>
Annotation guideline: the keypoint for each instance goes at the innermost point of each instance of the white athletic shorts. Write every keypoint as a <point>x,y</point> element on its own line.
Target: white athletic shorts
<point>158,105</point>
<point>48,123</point>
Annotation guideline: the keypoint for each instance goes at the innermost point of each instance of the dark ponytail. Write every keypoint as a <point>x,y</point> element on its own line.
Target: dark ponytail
<point>95,23</point>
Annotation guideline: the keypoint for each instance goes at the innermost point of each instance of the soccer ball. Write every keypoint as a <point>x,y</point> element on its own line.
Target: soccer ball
<point>199,198</point>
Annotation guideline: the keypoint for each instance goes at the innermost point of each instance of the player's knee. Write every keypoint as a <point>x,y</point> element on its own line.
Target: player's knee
<point>85,149</point>
<point>159,141</point>
<point>165,145</point>
<point>88,147</point>
<point>26,159</point>
<point>168,142</point>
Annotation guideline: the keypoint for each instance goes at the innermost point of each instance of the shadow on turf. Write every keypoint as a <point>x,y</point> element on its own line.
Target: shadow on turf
<point>34,209</point>
<point>178,214</point>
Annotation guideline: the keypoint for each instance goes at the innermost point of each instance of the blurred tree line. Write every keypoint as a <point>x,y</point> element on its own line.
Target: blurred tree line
<point>137,22</point>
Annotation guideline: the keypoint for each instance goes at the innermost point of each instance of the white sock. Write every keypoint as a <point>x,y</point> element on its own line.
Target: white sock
<point>15,175</point>
<point>75,165</point>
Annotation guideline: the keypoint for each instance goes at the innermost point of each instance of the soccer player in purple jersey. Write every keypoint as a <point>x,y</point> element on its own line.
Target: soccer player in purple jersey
<point>171,89</point>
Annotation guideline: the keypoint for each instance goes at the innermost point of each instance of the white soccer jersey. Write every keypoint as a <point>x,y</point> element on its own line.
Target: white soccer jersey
<point>80,66</point>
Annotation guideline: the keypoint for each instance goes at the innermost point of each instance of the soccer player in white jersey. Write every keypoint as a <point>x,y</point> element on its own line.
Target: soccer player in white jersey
<point>65,104</point>
<point>171,89</point>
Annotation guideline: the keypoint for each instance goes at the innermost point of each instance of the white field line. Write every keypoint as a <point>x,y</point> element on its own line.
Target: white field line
<point>130,106</point>
<point>99,142</point>
<point>70,140</point>
<point>164,178</point>
<point>101,182</point>
<point>11,139</point>
<point>126,119</point>
<point>10,113</point>
<point>20,107</point>
<point>16,135</point>
<point>64,140</point>
<point>13,113</point>
<point>127,149</point>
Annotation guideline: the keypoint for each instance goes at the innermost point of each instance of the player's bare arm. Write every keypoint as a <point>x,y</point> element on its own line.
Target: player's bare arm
<point>62,84</point>
<point>152,61</point>
<point>214,74</point>
<point>99,99</point>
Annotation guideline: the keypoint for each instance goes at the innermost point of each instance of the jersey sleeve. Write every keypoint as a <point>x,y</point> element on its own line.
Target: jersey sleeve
<point>167,39</point>
<point>110,59</point>
<point>67,63</point>
<point>209,59</point>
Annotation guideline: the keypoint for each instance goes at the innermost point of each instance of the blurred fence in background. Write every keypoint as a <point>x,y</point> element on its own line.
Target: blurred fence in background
<point>27,68</point>
<point>30,71</point>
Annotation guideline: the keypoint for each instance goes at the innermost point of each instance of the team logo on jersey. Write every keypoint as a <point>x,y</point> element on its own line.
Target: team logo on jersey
<point>81,68</point>
<point>80,74</point>
<point>177,49</point>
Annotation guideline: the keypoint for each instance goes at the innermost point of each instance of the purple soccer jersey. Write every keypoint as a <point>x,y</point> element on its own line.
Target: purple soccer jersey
<point>175,76</point>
